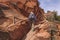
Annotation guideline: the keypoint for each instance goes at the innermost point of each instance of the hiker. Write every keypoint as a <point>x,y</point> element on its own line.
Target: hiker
<point>32,18</point>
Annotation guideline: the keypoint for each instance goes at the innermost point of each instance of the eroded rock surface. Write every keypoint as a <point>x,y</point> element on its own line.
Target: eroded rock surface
<point>14,17</point>
<point>14,23</point>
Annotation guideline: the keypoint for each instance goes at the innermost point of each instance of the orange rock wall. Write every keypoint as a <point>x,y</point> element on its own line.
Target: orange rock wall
<point>23,7</point>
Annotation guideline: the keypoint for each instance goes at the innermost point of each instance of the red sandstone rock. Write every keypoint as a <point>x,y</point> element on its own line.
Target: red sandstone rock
<point>21,10</point>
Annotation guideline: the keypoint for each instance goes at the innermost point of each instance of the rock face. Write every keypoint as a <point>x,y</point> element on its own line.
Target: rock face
<point>14,17</point>
<point>14,23</point>
<point>27,7</point>
<point>50,15</point>
<point>44,31</point>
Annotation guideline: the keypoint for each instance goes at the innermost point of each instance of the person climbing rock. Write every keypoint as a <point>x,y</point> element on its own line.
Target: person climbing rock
<point>32,18</point>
